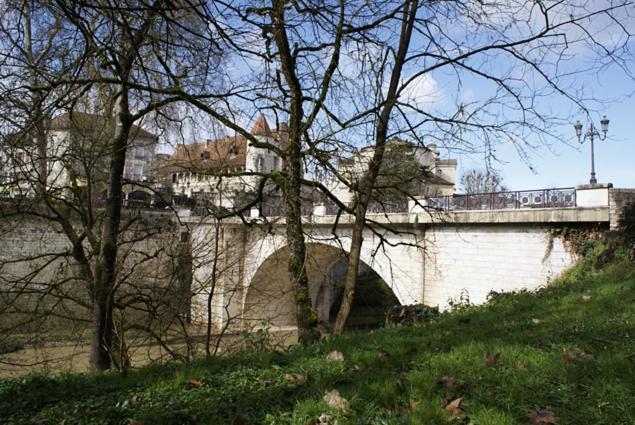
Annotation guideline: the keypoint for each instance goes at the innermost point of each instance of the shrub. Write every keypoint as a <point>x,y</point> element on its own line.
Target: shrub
<point>411,314</point>
<point>627,223</point>
<point>10,343</point>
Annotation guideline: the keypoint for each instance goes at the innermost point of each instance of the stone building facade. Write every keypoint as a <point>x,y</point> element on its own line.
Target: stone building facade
<point>219,170</point>
<point>77,151</point>
<point>439,178</point>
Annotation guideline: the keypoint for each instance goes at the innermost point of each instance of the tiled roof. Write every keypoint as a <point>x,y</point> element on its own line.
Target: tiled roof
<point>228,152</point>
<point>446,162</point>
<point>224,153</point>
<point>438,180</point>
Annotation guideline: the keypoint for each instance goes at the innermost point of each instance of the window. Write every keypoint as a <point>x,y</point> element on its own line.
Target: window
<point>137,173</point>
<point>139,152</point>
<point>260,163</point>
<point>173,177</point>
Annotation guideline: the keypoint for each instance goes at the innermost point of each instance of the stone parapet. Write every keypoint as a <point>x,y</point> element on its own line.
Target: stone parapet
<point>593,195</point>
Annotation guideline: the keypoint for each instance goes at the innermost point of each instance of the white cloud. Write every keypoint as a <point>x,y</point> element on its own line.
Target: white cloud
<point>421,91</point>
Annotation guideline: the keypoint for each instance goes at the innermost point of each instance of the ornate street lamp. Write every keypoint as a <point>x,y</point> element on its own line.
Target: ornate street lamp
<point>591,134</point>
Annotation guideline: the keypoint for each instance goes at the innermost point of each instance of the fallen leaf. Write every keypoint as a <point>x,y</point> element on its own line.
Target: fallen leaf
<point>580,354</point>
<point>433,347</point>
<point>449,383</point>
<point>335,356</point>
<point>381,353</point>
<point>333,399</point>
<point>238,420</point>
<point>542,417</point>
<point>294,377</point>
<point>492,359</point>
<point>406,409</point>
<point>535,321</point>
<point>521,366</point>
<point>194,382</point>
<point>566,357</point>
<point>586,298</point>
<point>135,422</point>
<point>325,419</point>
<point>402,410</point>
<point>454,407</point>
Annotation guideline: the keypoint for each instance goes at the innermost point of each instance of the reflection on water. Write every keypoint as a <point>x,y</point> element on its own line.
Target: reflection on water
<point>74,357</point>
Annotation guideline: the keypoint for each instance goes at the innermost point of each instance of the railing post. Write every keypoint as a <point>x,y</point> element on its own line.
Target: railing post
<point>575,197</point>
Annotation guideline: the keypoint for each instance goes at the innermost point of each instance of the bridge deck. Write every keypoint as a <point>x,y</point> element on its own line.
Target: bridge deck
<point>505,216</point>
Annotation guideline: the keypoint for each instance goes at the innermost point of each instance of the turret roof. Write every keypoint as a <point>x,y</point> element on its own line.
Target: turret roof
<point>261,127</point>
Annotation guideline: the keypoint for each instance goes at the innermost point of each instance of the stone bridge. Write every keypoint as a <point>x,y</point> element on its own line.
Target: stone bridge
<point>416,256</point>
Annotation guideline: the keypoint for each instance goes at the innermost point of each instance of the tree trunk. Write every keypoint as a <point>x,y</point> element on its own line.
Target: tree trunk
<point>37,117</point>
<point>101,349</point>
<point>370,176</point>
<point>101,340</point>
<point>212,290</point>
<point>352,268</point>
<point>305,314</point>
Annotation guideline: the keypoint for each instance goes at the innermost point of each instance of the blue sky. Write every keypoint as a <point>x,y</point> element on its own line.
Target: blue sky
<point>564,162</point>
<point>611,90</point>
<point>569,163</point>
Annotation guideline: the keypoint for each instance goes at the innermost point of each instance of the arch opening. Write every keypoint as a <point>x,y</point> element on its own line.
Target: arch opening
<point>270,297</point>
<point>139,198</point>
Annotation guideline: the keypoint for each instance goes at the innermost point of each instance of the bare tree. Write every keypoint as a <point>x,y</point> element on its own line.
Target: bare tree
<point>518,53</point>
<point>478,181</point>
<point>121,60</point>
<point>341,74</point>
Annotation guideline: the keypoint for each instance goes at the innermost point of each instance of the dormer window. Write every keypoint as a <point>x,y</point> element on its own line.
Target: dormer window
<point>233,151</point>
<point>205,155</point>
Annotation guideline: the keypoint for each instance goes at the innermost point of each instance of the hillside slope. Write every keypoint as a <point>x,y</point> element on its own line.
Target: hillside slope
<point>563,355</point>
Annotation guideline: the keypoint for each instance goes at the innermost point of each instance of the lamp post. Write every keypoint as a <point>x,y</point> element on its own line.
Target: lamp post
<point>591,134</point>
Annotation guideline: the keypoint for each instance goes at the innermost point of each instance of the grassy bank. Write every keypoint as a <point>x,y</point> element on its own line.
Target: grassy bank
<point>565,354</point>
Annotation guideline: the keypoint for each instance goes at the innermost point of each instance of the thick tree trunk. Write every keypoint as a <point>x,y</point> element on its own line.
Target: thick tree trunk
<point>305,314</point>
<point>101,340</point>
<point>101,349</point>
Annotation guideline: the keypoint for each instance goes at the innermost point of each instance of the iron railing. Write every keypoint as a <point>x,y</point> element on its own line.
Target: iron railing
<point>274,207</point>
<point>542,198</point>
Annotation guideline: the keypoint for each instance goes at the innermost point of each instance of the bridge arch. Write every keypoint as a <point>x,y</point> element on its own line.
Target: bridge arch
<point>270,298</point>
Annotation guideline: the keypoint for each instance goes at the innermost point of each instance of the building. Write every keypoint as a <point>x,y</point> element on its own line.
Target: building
<point>77,154</point>
<point>403,160</point>
<point>217,171</point>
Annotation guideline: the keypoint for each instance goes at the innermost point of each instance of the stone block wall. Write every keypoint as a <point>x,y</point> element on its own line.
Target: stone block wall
<point>473,260</point>
<point>36,266</point>
<point>618,199</point>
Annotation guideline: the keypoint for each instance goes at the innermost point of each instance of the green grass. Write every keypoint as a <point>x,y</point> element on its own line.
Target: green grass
<point>390,376</point>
